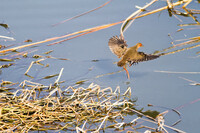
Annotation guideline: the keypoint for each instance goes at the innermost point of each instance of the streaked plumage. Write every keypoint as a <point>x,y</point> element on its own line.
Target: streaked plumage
<point>117,46</point>
<point>130,55</point>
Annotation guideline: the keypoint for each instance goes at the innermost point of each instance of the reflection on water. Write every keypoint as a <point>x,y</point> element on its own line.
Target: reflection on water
<point>87,58</point>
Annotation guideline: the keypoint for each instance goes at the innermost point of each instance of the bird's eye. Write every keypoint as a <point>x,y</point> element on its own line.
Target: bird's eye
<point>122,46</point>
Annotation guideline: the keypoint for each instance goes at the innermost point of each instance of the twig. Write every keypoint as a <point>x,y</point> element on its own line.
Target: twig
<point>82,14</point>
<point>57,80</point>
<point>98,76</point>
<point>136,13</point>
<point>90,29</point>
<point>128,91</point>
<point>195,46</point>
<point>177,72</point>
<point>193,82</point>
<point>175,129</point>
<point>191,14</point>
<point>6,37</point>
<point>29,67</point>
<point>169,4</point>
<point>101,124</point>
<point>187,2</point>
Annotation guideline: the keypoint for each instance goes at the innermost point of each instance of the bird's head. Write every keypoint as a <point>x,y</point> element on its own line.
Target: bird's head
<point>139,45</point>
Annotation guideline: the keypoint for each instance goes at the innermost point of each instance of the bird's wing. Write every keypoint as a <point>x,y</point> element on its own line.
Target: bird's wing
<point>117,45</point>
<point>142,57</point>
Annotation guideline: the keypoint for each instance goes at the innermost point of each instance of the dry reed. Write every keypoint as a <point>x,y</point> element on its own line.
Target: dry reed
<point>89,109</point>
<point>97,28</point>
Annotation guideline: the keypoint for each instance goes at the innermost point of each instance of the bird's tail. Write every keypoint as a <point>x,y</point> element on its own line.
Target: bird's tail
<point>152,57</point>
<point>121,63</point>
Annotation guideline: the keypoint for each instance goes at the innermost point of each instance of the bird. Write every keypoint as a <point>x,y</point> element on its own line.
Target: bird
<point>130,55</point>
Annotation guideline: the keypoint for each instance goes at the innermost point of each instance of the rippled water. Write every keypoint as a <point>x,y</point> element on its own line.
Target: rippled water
<point>33,19</point>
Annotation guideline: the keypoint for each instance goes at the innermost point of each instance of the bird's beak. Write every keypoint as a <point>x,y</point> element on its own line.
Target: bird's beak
<point>141,45</point>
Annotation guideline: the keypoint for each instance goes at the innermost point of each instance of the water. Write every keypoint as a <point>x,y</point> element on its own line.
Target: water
<point>33,19</point>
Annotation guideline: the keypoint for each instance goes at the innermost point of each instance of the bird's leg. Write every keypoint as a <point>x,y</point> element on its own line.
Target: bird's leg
<point>126,72</point>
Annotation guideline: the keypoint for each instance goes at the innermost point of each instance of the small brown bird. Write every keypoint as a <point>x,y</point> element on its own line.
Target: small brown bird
<point>130,55</point>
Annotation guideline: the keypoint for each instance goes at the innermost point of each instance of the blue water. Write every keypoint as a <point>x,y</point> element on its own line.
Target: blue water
<point>33,19</point>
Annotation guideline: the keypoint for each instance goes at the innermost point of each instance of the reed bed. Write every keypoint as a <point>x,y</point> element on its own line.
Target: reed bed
<point>92,109</point>
<point>85,109</point>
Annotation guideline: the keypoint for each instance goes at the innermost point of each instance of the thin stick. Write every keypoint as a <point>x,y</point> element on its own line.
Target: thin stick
<point>172,52</point>
<point>101,124</point>
<point>71,37</point>
<point>191,15</point>
<point>98,28</point>
<point>160,9</point>
<point>178,72</point>
<point>82,14</point>
<point>29,67</point>
<point>56,82</point>
<point>187,2</point>
<point>169,4</point>
<point>127,91</point>
<point>175,129</point>
<point>134,14</point>
<point>98,76</point>
<point>6,37</point>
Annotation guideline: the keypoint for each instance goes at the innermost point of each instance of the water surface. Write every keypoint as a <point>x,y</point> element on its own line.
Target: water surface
<point>33,19</point>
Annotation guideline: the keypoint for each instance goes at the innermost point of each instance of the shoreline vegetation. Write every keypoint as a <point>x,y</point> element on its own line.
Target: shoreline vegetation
<point>37,107</point>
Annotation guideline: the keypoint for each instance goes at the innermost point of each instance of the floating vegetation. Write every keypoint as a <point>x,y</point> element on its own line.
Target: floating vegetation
<point>7,38</point>
<point>3,83</point>
<point>7,60</point>
<point>177,72</point>
<point>48,52</point>
<point>2,46</point>
<point>37,56</point>
<point>25,55</point>
<point>50,76</point>
<point>72,109</point>
<point>95,60</point>
<point>56,58</point>
<point>4,25</point>
<point>28,40</point>
<point>6,65</point>
<point>192,82</point>
<point>81,82</point>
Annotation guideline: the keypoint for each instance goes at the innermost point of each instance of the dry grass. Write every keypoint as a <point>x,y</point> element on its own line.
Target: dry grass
<point>125,25</point>
<point>32,106</point>
<point>71,109</point>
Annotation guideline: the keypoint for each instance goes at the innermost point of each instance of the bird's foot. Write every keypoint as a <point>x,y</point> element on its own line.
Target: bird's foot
<point>127,73</point>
